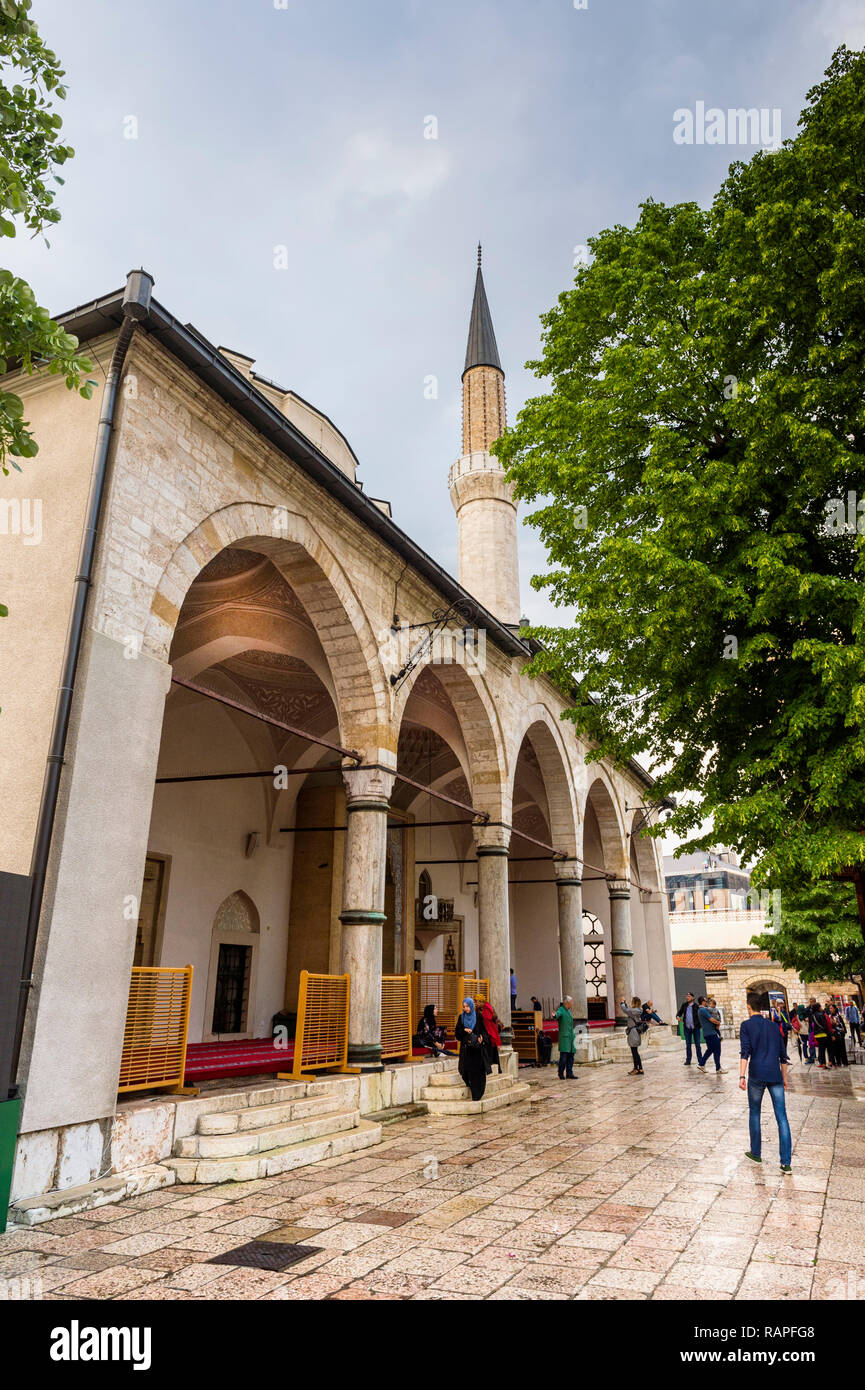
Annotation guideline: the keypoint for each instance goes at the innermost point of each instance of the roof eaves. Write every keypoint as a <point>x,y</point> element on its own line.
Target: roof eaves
<point>190,347</point>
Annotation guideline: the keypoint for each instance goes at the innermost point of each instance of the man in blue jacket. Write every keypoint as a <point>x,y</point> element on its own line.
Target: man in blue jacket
<point>763,1067</point>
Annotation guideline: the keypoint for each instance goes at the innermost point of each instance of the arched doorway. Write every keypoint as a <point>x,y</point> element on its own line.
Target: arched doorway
<point>770,992</point>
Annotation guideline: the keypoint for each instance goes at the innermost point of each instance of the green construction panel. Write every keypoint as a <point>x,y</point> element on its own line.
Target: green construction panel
<point>10,1115</point>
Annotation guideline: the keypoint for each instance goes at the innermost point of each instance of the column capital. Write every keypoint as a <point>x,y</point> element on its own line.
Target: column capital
<point>491,838</point>
<point>568,870</point>
<point>367,788</point>
<point>619,887</point>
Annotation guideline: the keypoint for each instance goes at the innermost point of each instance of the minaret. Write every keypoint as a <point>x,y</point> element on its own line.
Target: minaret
<point>482,498</point>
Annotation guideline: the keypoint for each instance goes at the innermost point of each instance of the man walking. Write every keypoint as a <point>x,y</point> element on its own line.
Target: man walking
<point>763,1067</point>
<point>513,991</point>
<point>854,1022</point>
<point>708,1019</point>
<point>687,1012</point>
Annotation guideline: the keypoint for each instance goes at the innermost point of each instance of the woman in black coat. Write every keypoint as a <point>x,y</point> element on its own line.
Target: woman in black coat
<point>430,1033</point>
<point>471,1035</point>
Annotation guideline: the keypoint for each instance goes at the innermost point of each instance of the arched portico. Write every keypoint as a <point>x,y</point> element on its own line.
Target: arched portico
<point>608,889</point>
<point>447,740</point>
<point>546,884</point>
<point>653,972</point>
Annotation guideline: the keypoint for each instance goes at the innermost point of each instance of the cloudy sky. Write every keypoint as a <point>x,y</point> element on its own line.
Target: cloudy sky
<point>296,130</point>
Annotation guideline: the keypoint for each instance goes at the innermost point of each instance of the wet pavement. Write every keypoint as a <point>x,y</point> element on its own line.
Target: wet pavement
<point>606,1187</point>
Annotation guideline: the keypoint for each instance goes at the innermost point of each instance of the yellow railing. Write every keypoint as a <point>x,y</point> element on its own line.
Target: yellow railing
<point>321,1039</point>
<point>446,990</point>
<point>157,1023</point>
<point>396,1017</point>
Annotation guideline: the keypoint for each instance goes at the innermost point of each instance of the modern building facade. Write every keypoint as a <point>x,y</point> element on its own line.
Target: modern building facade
<point>294,741</point>
<point>714,916</point>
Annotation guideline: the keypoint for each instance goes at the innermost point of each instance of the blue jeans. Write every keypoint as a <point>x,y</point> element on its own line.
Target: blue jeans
<point>689,1038</point>
<point>713,1049</point>
<point>755,1101</point>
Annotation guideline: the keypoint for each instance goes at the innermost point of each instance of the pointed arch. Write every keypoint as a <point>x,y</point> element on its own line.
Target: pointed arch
<point>644,856</point>
<point>482,757</point>
<point>300,555</point>
<point>601,797</point>
<point>544,733</point>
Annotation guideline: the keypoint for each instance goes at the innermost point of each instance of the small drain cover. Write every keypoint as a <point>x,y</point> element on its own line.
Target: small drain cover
<point>265,1254</point>
<point>376,1217</point>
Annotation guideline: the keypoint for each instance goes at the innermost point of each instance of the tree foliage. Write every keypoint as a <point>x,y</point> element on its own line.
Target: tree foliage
<point>818,934</point>
<point>705,416</point>
<point>31,151</point>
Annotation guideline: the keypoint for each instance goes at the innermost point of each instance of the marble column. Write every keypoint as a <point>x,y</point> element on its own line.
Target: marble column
<point>491,844</point>
<point>622,945</point>
<point>569,889</point>
<point>659,952</point>
<point>367,793</point>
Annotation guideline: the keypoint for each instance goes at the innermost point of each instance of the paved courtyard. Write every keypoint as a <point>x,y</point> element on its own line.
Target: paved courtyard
<point>607,1187</point>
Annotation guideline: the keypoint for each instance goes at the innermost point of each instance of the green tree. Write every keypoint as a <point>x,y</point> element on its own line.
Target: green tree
<point>819,933</point>
<point>31,151</point>
<point>703,433</point>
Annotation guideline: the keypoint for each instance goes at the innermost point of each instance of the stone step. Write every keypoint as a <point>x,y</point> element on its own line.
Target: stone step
<point>450,1086</point>
<point>280,1160</point>
<point>445,1077</point>
<point>444,1109</point>
<point>258,1116</point>
<point>244,1143</point>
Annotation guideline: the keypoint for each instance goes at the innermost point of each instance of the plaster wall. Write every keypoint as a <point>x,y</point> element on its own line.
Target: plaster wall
<point>202,827</point>
<point>50,489</point>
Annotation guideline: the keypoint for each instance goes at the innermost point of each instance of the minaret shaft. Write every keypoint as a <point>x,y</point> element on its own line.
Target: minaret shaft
<point>483,408</point>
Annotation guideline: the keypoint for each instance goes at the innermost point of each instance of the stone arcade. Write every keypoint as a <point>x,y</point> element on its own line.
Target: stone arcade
<point>238,555</point>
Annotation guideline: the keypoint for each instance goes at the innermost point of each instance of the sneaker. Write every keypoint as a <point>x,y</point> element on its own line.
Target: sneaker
<point>686,1064</point>
<point>701,1069</point>
<point>722,1071</point>
<point>753,1157</point>
<point>786,1168</point>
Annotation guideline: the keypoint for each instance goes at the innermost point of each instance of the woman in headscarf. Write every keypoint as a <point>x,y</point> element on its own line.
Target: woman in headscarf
<point>491,1024</point>
<point>471,1035</point>
<point>430,1034</point>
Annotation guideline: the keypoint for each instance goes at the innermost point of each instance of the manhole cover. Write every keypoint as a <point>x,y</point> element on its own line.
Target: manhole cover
<point>265,1254</point>
<point>376,1217</point>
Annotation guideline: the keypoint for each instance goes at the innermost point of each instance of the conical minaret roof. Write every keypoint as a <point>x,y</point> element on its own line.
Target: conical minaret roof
<point>481,349</point>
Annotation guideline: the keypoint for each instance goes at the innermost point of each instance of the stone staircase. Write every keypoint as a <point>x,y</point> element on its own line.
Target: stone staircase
<point>299,1123</point>
<point>614,1046</point>
<point>447,1096</point>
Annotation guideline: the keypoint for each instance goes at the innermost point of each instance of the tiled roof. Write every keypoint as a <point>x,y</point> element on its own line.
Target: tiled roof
<point>714,960</point>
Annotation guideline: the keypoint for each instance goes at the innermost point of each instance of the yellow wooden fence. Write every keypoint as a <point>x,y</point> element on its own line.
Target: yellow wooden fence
<point>321,1038</point>
<point>396,1017</point>
<point>446,990</point>
<point>157,1023</point>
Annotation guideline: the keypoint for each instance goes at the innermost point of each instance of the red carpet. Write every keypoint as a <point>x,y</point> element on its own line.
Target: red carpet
<point>206,1061</point>
<point>258,1056</point>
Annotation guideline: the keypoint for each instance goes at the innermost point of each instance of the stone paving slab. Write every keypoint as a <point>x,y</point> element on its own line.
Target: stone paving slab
<point>606,1191</point>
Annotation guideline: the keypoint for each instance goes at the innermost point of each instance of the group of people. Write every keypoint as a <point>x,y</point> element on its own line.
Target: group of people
<point>700,1018</point>
<point>763,1057</point>
<point>820,1031</point>
<point>476,1031</point>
